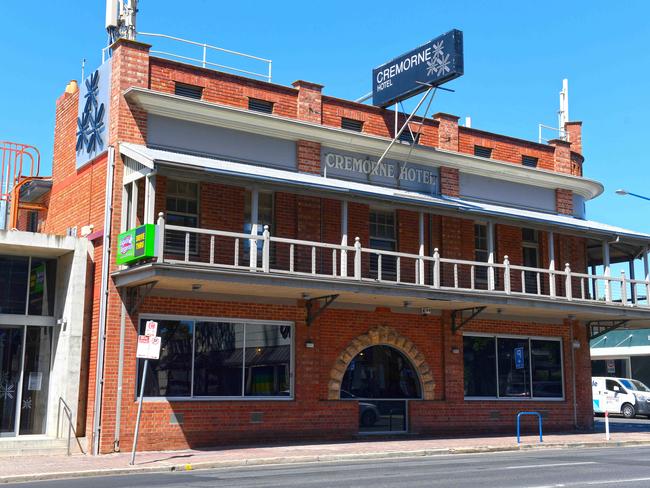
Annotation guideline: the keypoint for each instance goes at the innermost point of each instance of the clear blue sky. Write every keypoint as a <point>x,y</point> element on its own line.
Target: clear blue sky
<point>516,55</point>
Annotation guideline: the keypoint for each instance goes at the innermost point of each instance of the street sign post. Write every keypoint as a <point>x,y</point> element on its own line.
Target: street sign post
<point>148,348</point>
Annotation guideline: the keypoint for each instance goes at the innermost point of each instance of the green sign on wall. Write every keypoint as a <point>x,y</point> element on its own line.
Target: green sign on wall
<point>136,244</point>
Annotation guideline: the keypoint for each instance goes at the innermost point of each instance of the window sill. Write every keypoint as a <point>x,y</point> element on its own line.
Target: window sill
<point>514,399</point>
<point>214,399</point>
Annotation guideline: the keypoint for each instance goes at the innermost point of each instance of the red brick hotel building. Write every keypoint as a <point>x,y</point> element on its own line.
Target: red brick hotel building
<point>304,291</point>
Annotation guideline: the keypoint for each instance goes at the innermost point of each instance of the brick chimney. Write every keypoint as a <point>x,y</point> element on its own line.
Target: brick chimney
<point>448,139</point>
<point>562,155</point>
<point>574,130</point>
<point>310,108</point>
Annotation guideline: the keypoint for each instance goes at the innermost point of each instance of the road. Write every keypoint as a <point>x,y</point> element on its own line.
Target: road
<point>572,468</point>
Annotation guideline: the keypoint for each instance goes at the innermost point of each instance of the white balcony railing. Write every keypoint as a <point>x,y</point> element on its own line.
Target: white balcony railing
<point>265,253</point>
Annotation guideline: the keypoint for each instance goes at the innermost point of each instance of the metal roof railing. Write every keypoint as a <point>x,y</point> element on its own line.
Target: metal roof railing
<point>203,61</point>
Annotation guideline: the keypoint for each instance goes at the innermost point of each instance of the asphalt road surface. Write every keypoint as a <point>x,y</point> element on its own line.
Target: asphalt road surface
<point>571,468</point>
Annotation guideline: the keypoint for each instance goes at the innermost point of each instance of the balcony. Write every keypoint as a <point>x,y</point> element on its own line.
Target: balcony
<point>253,264</point>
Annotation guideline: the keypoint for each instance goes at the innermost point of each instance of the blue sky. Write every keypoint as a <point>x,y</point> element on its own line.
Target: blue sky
<point>516,55</point>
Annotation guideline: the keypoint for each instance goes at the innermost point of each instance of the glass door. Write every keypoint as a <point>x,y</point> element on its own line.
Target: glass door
<point>11,357</point>
<point>36,379</point>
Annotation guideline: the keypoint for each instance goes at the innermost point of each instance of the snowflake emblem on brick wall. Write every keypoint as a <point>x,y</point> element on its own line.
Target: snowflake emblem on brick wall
<point>90,125</point>
<point>439,63</point>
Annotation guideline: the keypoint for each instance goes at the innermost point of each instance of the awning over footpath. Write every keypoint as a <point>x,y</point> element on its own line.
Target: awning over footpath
<point>150,157</point>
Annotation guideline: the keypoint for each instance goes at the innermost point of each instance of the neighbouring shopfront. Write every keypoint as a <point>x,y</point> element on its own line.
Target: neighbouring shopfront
<point>25,343</point>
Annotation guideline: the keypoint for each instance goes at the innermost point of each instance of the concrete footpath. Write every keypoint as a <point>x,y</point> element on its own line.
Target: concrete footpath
<point>33,468</point>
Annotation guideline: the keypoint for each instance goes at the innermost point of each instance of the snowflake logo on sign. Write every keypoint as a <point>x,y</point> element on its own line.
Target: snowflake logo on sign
<point>439,63</point>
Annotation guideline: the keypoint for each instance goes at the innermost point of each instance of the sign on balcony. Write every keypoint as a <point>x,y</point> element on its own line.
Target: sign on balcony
<point>390,173</point>
<point>432,64</point>
<point>136,244</point>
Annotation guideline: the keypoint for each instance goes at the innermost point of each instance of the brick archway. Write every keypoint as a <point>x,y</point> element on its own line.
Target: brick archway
<point>384,336</point>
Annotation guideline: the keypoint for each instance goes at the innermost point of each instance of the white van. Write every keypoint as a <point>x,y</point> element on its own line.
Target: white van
<point>620,395</point>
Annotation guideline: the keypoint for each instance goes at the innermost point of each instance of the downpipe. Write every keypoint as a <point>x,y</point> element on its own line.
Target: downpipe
<point>103,299</point>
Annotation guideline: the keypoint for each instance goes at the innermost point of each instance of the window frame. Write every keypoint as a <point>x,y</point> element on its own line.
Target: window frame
<point>170,248</point>
<point>374,257</point>
<point>248,202</point>
<point>195,319</point>
<point>530,338</point>
<point>480,279</point>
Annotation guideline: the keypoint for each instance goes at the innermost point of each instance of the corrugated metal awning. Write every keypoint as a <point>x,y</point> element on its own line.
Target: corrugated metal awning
<point>149,157</point>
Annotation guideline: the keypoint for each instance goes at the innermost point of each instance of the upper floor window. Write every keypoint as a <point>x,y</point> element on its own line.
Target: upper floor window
<point>258,105</point>
<point>189,91</point>
<point>530,253</point>
<point>481,251</point>
<point>484,152</point>
<point>351,124</point>
<point>182,207</point>
<point>258,210</point>
<point>28,285</point>
<point>529,161</point>
<point>383,236</point>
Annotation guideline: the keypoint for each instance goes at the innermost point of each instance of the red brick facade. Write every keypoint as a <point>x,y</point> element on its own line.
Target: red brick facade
<point>77,200</point>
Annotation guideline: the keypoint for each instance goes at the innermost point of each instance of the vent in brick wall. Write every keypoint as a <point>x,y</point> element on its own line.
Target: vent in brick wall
<point>529,161</point>
<point>189,91</point>
<point>408,136</point>
<point>351,124</point>
<point>484,152</point>
<point>257,417</point>
<point>260,105</point>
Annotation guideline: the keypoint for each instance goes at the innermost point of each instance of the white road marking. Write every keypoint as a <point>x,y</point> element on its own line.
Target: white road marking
<point>592,483</point>
<point>550,465</point>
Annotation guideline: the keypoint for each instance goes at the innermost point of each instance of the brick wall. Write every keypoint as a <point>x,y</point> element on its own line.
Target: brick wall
<point>564,201</point>
<point>311,415</point>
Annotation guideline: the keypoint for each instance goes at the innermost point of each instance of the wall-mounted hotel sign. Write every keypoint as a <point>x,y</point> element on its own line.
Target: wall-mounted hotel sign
<point>434,63</point>
<point>390,173</point>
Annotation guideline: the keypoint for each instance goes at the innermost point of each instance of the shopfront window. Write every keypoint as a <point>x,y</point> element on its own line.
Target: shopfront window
<point>27,285</point>
<point>221,358</point>
<point>512,367</point>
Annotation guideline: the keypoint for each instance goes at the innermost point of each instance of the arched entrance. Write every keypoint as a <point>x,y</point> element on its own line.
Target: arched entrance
<point>382,379</point>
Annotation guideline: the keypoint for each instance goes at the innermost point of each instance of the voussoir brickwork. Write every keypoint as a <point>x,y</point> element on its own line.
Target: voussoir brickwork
<point>381,336</point>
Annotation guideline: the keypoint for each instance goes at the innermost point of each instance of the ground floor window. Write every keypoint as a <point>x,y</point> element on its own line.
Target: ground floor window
<point>222,358</point>
<point>512,367</point>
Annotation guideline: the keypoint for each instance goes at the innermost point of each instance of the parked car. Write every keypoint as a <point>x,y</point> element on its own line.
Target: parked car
<point>368,412</point>
<point>624,396</point>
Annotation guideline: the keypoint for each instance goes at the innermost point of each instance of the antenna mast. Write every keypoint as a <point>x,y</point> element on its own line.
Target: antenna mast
<point>563,114</point>
<point>120,19</point>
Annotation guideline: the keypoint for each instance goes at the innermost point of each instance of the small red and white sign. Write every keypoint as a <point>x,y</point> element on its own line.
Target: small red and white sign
<point>148,347</point>
<point>151,328</point>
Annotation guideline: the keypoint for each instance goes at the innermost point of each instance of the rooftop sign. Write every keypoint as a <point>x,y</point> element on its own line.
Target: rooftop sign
<point>433,63</point>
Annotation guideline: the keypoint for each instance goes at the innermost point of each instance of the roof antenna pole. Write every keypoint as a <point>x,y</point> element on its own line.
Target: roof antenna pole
<point>120,19</point>
<point>563,114</point>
